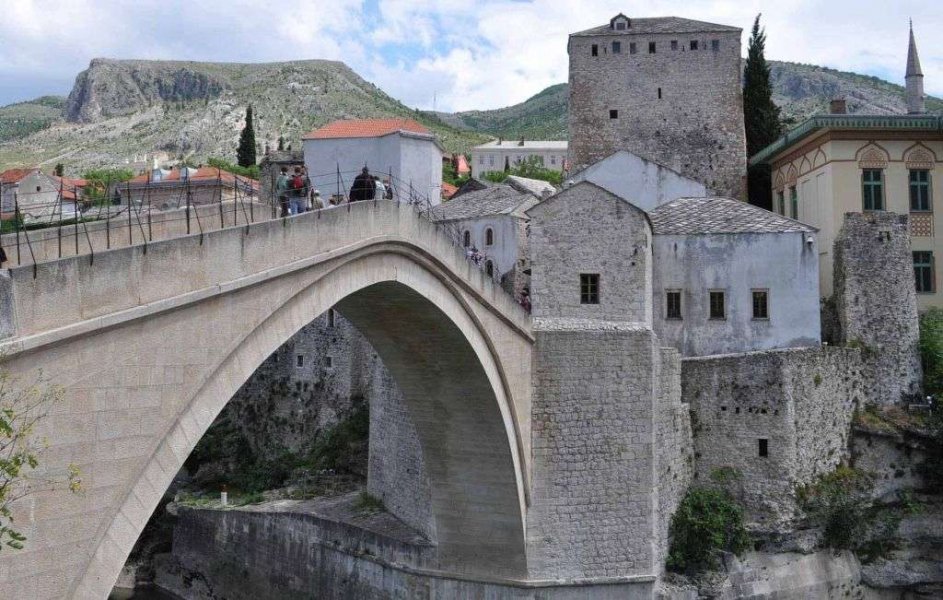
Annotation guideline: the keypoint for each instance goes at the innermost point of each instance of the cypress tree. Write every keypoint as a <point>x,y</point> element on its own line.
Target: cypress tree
<point>760,114</point>
<point>59,170</point>
<point>245,154</point>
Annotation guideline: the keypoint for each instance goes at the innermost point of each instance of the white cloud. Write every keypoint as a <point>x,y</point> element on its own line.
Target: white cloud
<point>486,54</point>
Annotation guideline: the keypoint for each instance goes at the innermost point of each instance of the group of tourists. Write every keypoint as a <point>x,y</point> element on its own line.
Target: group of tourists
<point>295,192</point>
<point>370,187</point>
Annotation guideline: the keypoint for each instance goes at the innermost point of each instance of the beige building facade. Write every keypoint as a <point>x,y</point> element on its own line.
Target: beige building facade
<point>492,156</point>
<point>836,164</point>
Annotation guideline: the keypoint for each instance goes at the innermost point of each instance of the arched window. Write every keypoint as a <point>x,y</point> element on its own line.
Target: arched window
<point>489,267</point>
<point>489,237</point>
<point>466,239</point>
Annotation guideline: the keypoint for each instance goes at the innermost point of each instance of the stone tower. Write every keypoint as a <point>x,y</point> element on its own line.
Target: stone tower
<point>916,105</point>
<point>667,89</point>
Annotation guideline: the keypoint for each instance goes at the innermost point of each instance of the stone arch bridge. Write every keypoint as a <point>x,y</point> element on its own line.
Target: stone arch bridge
<point>150,343</point>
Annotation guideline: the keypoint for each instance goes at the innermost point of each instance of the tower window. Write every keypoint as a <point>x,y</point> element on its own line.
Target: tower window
<point>715,45</point>
<point>300,360</point>
<point>329,362</point>
<point>466,239</point>
<point>872,189</point>
<point>489,268</point>
<point>674,44</point>
<point>920,190</point>
<point>651,47</point>
<point>489,237</point>
<point>659,93</point>
<point>923,271</point>
<point>589,288</point>
<point>761,304</point>
<point>613,114</point>
<point>693,44</point>
<point>617,47</point>
<point>632,48</point>
<point>673,304</point>
<point>330,317</point>
<point>763,447</point>
<point>718,308</point>
<point>595,50</point>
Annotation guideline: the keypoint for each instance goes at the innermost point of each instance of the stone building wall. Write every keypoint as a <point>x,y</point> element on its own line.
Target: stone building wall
<point>586,230</point>
<point>876,302</point>
<point>681,108</point>
<point>800,401</point>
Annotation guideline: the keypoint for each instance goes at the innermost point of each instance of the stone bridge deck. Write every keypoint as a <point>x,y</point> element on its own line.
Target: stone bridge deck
<point>150,345</point>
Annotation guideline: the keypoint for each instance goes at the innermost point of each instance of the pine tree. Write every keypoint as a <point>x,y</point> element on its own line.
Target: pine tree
<point>59,170</point>
<point>281,143</point>
<point>760,114</point>
<point>245,154</point>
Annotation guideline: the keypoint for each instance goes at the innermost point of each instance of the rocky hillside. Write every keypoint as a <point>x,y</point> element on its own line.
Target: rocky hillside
<point>800,90</point>
<point>120,110</point>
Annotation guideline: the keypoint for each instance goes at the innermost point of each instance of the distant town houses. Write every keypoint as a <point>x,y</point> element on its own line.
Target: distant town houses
<point>838,163</point>
<point>495,155</point>
<point>164,189</point>
<point>38,195</point>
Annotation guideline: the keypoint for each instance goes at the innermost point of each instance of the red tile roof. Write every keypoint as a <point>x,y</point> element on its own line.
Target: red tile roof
<point>462,165</point>
<point>15,175</point>
<point>200,174</point>
<point>448,190</point>
<point>360,128</point>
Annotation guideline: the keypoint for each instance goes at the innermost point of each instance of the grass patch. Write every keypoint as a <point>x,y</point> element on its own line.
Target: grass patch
<point>369,504</point>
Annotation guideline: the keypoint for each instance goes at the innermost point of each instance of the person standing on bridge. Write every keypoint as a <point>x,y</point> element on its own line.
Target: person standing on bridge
<point>363,187</point>
<point>281,190</point>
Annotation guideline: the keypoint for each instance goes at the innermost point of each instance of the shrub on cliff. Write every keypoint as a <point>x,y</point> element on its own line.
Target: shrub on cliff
<point>931,350</point>
<point>708,521</point>
<point>840,503</point>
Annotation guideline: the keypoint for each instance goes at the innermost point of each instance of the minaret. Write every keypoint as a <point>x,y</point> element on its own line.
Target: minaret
<point>914,79</point>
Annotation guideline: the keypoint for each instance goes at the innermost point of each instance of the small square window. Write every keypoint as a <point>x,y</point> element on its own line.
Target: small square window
<point>718,308</point>
<point>673,304</point>
<point>715,45</point>
<point>693,44</point>
<point>674,44</point>
<point>651,47</point>
<point>617,47</point>
<point>328,361</point>
<point>632,48</point>
<point>761,304</point>
<point>620,26</point>
<point>763,447</point>
<point>595,50</point>
<point>300,360</point>
<point>613,113</point>
<point>589,288</point>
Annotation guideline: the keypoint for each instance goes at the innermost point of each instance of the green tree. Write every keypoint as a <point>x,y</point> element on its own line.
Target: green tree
<point>21,409</point>
<point>101,182</point>
<point>245,154</point>
<point>59,170</point>
<point>707,522</point>
<point>281,143</point>
<point>760,114</point>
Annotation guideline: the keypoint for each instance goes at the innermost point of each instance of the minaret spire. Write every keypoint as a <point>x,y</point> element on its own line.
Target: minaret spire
<point>914,78</point>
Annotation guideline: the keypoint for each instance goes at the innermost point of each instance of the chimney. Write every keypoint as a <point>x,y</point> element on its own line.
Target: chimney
<point>838,106</point>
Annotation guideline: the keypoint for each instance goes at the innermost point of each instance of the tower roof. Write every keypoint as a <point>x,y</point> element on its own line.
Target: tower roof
<point>913,61</point>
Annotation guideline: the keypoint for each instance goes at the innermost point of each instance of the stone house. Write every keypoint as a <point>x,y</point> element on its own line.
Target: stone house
<point>401,148</point>
<point>835,164</point>
<point>493,155</point>
<point>174,188</point>
<point>666,88</point>
<point>41,197</point>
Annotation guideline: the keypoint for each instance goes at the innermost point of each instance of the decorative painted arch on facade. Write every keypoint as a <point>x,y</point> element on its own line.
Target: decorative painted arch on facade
<point>872,156</point>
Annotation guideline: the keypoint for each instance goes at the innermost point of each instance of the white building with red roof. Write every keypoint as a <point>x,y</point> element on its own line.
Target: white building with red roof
<point>403,148</point>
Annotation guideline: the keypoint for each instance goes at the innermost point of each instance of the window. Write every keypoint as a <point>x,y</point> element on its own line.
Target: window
<point>481,159</point>
<point>491,159</point>
<point>693,44</point>
<point>715,45</point>
<point>489,237</point>
<point>613,114</point>
<point>329,361</point>
<point>620,25</point>
<point>617,47</point>
<point>872,189</point>
<point>632,48</point>
<point>761,304</point>
<point>595,50</point>
<point>553,159</point>
<point>674,44</point>
<point>781,202</point>
<point>794,202</point>
<point>466,239</point>
<point>589,288</point>
<point>659,93</point>
<point>920,190</point>
<point>923,271</point>
<point>330,317</point>
<point>300,360</point>
<point>673,304</point>
<point>489,268</point>
<point>651,47</point>
<point>763,447</point>
<point>717,305</point>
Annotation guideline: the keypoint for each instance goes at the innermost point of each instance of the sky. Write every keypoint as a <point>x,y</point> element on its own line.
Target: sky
<point>445,54</point>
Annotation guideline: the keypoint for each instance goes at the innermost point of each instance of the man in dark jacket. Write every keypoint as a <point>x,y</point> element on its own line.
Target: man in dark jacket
<point>363,187</point>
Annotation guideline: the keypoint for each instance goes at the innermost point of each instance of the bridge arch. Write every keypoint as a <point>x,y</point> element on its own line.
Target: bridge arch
<point>459,356</point>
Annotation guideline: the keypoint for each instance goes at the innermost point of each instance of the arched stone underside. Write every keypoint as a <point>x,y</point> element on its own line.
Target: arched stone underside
<point>140,392</point>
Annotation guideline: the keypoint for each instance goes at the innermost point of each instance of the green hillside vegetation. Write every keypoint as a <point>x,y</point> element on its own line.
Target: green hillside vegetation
<point>24,118</point>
